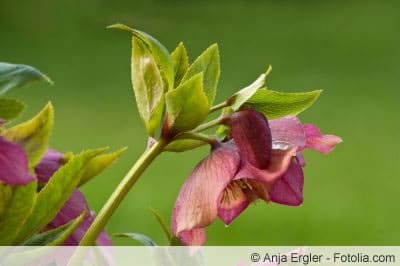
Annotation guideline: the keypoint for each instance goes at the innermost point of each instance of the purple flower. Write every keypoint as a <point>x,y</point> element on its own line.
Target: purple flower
<point>261,161</point>
<point>75,205</point>
<point>13,164</point>
<point>49,164</point>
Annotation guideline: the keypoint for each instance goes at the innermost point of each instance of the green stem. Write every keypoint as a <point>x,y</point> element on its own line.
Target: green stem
<point>197,136</point>
<point>120,192</point>
<point>219,106</point>
<point>208,125</point>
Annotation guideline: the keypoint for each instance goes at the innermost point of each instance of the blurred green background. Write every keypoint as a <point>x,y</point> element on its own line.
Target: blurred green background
<point>348,48</point>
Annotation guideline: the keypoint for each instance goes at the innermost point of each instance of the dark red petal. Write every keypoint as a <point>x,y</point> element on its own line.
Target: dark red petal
<point>252,135</point>
<point>49,164</point>
<point>288,190</point>
<point>13,164</point>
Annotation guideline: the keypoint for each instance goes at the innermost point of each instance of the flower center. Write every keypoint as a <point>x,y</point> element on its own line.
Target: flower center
<point>235,190</point>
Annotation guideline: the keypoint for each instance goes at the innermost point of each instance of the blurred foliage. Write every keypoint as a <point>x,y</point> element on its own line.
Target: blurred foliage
<point>348,48</point>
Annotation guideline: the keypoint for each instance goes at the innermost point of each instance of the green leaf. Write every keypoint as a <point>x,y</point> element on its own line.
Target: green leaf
<point>98,164</point>
<point>239,98</point>
<point>55,236</point>
<point>145,240</point>
<point>187,105</point>
<point>10,108</point>
<point>6,192</point>
<point>163,225</point>
<point>19,208</point>
<point>182,145</point>
<point>13,76</point>
<point>34,134</point>
<point>147,85</point>
<point>208,64</point>
<point>160,53</point>
<point>55,193</point>
<point>275,104</point>
<point>180,61</point>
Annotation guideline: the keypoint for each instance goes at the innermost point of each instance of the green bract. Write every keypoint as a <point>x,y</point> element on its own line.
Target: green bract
<point>274,104</point>
<point>34,134</point>
<point>18,210</point>
<point>55,236</point>
<point>242,96</point>
<point>180,61</point>
<point>55,193</point>
<point>187,105</point>
<point>98,164</point>
<point>208,64</point>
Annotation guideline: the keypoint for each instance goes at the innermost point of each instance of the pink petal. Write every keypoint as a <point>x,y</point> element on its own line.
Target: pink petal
<point>194,237</point>
<point>13,164</point>
<point>287,130</point>
<point>232,203</point>
<point>74,207</point>
<point>288,190</point>
<point>251,133</point>
<point>300,159</point>
<point>49,164</point>
<point>280,161</point>
<point>318,142</point>
<point>196,205</point>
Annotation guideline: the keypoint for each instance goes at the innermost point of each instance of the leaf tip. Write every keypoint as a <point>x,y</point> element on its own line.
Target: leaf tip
<point>120,26</point>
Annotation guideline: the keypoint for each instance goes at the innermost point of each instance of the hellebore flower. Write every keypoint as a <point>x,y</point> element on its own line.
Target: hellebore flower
<point>49,164</point>
<point>75,205</point>
<point>233,175</point>
<point>14,169</point>
<point>262,160</point>
<point>289,131</point>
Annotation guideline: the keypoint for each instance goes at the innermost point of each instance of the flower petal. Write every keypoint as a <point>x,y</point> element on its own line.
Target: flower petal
<point>13,164</point>
<point>232,202</point>
<point>287,130</point>
<point>318,142</point>
<point>288,190</point>
<point>74,207</point>
<point>194,237</point>
<point>251,133</point>
<point>49,164</point>
<point>280,161</point>
<point>196,205</point>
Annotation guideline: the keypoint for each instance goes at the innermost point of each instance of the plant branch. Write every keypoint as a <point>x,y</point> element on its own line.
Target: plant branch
<point>197,136</point>
<point>121,191</point>
<point>208,125</point>
<point>219,106</point>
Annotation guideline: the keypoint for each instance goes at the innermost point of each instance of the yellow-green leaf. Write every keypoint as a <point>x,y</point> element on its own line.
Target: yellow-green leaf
<point>208,64</point>
<point>55,193</point>
<point>180,61</point>
<point>187,105</point>
<point>34,134</point>
<point>274,104</point>
<point>147,85</point>
<point>239,98</point>
<point>98,164</point>
<point>56,236</point>
<point>181,145</point>
<point>159,52</point>
<point>19,208</point>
